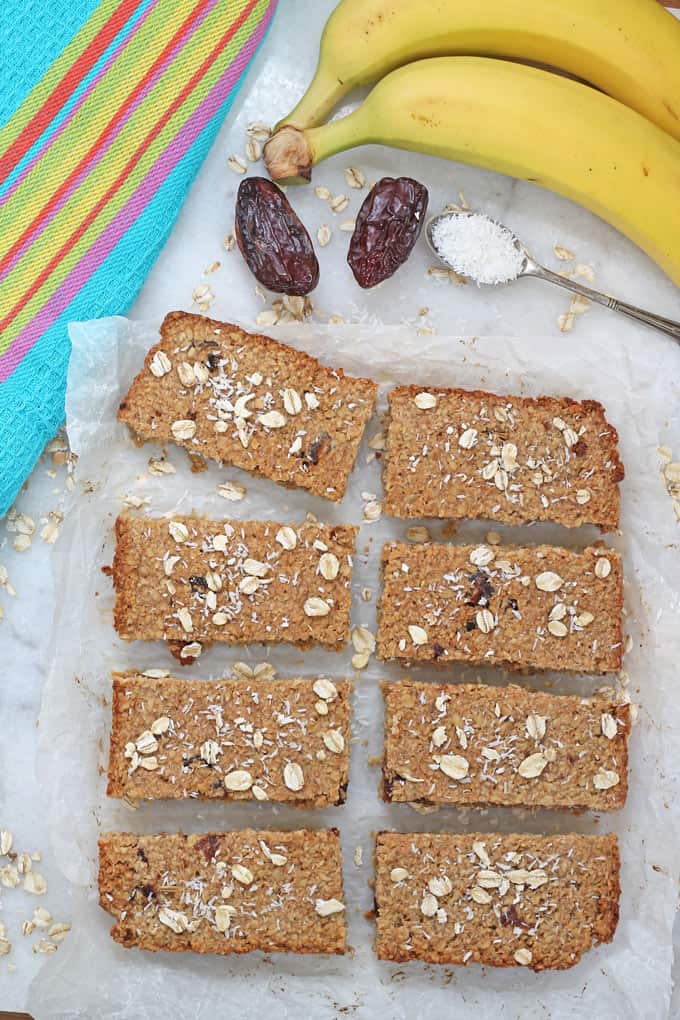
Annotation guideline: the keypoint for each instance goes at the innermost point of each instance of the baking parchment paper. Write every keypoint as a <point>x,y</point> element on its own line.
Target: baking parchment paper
<point>93,977</point>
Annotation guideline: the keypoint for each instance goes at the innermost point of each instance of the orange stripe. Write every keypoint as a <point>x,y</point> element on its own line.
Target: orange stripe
<point>99,142</point>
<point>144,144</point>
<point>65,88</point>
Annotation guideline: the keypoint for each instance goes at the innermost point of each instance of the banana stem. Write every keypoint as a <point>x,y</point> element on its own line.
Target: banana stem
<point>290,154</point>
<point>325,92</point>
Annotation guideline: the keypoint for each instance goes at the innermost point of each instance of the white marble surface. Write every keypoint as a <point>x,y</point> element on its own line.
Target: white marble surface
<point>541,220</point>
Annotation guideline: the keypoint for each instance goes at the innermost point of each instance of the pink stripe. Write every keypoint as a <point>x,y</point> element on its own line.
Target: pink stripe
<point>106,242</point>
<point>95,81</point>
<point>99,155</point>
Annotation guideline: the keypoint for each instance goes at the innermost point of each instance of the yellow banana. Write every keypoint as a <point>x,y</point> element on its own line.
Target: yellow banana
<point>628,48</point>
<point>521,121</point>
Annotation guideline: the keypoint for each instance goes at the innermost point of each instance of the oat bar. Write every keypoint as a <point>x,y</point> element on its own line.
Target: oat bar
<point>247,400</point>
<point>278,740</point>
<point>458,454</point>
<point>473,744</point>
<point>500,900</point>
<point>225,892</point>
<point>539,607</point>
<point>188,579</point>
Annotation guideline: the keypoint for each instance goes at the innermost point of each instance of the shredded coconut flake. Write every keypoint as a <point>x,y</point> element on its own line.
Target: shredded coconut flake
<point>477,247</point>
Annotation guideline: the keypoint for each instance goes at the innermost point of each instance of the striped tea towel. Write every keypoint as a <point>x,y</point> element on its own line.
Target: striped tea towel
<point>107,108</point>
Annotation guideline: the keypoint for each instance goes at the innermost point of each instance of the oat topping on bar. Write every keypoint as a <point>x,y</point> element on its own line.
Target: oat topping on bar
<point>476,744</point>
<point>456,454</point>
<point>541,607</point>
<point>501,900</point>
<point>228,739</point>
<point>225,892</point>
<point>250,401</point>
<point>189,579</point>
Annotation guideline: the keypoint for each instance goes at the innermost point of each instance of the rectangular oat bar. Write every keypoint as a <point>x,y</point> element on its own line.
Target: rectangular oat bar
<point>495,899</point>
<point>279,740</point>
<point>188,580</point>
<point>539,607</point>
<point>473,744</point>
<point>458,454</point>
<point>225,892</point>
<point>249,401</point>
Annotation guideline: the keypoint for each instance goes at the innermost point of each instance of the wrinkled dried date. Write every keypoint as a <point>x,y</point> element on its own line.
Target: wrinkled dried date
<point>277,248</point>
<point>387,228</point>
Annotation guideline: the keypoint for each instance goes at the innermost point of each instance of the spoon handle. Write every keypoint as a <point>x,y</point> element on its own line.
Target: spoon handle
<point>667,326</point>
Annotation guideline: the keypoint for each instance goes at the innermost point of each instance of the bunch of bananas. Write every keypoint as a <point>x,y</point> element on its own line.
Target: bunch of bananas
<point>614,149</point>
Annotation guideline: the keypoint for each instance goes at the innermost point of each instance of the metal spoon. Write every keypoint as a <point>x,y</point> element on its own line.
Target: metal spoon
<point>530,267</point>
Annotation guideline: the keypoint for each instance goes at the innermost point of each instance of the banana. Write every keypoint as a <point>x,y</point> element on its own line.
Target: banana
<point>520,121</point>
<point>628,48</point>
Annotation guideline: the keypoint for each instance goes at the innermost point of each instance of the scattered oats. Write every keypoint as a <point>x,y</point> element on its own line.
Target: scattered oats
<point>286,537</point>
<point>424,401</point>
<point>358,856</point>
<point>9,876</point>
<point>156,674</point>
<point>489,879</point>
<point>323,235</point>
<point>255,568</point>
<point>378,441</point>
<point>366,594</point>
<point>324,688</point>
<point>43,946</point>
<point>233,491</point>
<point>41,918</point>
<point>454,766</point>
<point>348,226</point>
<point>485,620</point>
<point>363,640</point>
<point>354,178</point>
<point>468,439</point>
<point>293,776</point>
<point>237,164</point>
<point>672,472</point>
<point>184,428</point>
<point>398,874</point>
<point>35,883</point>
<point>360,660</point>
<point>325,908</point>
<point>27,928</point>
<point>253,150</point>
<point>602,567</point>
<point>160,364</point>
<point>604,779</point>
<point>482,555</point>
<point>334,741</point>
<point>329,565</point>
<point>59,931</point>
<point>372,511</point>
<point>429,905</point>
<point>21,543</point>
<point>493,538</point>
<point>584,619</point>
<point>149,764</point>
<point>259,794</point>
<point>339,203</point>
<point>160,726</point>
<point>316,606</point>
<point>417,533</point>
<point>563,254</point>
<point>557,628</point>
<point>258,130</point>
<point>241,874</point>
<point>548,581</point>
<point>579,304</point>
<point>523,956</point>
<point>417,634</point>
<point>6,840</point>
<point>441,885</point>
<point>565,321</point>
<point>267,318</point>
<point>532,767</point>
<point>480,895</point>
<point>584,270</point>
<point>536,726</point>
<point>146,743</point>
<point>321,192</point>
<point>582,496</point>
<point>158,466</point>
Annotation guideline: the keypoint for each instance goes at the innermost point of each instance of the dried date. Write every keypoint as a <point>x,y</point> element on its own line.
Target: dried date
<point>274,243</point>
<point>387,228</point>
